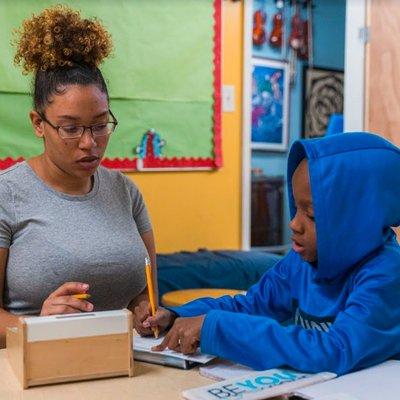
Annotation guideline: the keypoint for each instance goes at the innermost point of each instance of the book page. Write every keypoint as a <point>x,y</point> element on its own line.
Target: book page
<point>146,343</point>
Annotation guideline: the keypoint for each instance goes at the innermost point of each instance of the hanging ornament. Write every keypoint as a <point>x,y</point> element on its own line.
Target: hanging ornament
<point>276,37</point>
<point>296,34</point>
<point>259,34</point>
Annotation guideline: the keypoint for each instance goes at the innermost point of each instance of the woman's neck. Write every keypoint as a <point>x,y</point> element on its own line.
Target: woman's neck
<point>58,179</point>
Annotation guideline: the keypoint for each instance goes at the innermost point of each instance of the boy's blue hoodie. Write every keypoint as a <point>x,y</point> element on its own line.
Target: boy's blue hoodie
<point>345,308</point>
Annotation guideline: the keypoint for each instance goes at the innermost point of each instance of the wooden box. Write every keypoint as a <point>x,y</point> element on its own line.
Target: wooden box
<point>71,347</point>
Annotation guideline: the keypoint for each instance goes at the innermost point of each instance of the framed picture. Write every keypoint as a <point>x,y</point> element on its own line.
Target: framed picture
<point>323,96</point>
<point>269,105</point>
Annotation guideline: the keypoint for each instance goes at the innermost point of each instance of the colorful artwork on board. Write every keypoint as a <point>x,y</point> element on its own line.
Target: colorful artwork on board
<point>151,145</point>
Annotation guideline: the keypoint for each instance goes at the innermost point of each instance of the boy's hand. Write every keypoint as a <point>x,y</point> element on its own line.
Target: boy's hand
<point>143,322</point>
<point>184,336</point>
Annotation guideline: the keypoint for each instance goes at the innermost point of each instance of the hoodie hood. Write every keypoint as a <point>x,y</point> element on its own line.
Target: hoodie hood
<point>355,186</point>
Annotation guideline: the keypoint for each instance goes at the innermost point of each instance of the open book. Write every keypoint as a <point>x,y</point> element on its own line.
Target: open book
<point>142,352</point>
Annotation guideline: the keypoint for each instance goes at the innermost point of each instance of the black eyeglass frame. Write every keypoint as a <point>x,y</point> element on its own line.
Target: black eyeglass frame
<point>90,127</point>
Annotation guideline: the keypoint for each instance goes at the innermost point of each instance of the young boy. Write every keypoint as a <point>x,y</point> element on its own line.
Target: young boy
<point>340,284</point>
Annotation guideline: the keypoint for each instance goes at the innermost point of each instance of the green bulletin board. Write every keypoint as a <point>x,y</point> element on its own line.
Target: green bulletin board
<point>163,78</point>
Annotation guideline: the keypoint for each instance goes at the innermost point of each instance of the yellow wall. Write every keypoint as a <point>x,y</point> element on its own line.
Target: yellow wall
<point>191,210</point>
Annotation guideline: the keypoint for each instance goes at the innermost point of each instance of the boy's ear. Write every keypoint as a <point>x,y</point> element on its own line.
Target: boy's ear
<point>37,124</point>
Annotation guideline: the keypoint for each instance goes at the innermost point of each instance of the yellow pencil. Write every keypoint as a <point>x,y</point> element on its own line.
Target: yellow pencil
<point>150,288</point>
<point>82,296</point>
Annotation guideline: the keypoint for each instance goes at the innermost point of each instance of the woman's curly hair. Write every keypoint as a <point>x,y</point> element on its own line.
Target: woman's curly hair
<point>59,37</point>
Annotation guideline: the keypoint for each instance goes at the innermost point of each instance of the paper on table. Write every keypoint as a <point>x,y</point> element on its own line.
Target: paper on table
<point>146,343</point>
<point>222,369</point>
<point>338,396</point>
<point>378,382</point>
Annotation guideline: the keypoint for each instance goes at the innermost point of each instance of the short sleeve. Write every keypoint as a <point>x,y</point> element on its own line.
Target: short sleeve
<point>139,210</point>
<point>7,215</point>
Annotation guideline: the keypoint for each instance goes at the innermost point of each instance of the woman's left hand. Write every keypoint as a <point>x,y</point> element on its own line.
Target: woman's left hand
<point>184,336</point>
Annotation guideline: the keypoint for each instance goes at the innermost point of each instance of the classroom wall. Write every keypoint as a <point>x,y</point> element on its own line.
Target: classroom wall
<point>329,40</point>
<point>191,210</point>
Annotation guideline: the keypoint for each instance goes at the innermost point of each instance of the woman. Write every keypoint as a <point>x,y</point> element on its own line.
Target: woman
<point>67,225</point>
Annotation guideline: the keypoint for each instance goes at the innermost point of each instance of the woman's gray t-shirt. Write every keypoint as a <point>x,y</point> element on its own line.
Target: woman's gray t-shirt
<point>55,238</point>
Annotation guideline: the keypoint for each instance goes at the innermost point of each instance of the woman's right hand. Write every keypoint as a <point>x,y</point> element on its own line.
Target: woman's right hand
<point>62,300</point>
<point>143,322</point>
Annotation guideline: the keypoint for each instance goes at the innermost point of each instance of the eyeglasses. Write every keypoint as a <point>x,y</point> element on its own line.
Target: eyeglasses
<point>76,131</point>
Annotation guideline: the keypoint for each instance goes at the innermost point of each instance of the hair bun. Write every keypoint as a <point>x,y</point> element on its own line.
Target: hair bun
<point>60,37</point>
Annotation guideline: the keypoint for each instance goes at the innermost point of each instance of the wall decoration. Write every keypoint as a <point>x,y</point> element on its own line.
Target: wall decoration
<point>323,96</point>
<point>276,36</point>
<point>259,34</point>
<point>151,145</point>
<point>269,33</point>
<point>159,77</point>
<point>269,105</point>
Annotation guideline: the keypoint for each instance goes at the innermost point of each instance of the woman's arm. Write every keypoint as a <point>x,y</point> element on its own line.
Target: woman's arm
<point>59,302</point>
<point>6,318</point>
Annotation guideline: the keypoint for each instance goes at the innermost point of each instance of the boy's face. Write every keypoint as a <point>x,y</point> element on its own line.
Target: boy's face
<point>303,226</point>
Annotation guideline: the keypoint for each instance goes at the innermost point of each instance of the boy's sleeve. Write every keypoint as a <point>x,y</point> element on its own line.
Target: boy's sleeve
<point>366,332</point>
<point>269,297</point>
